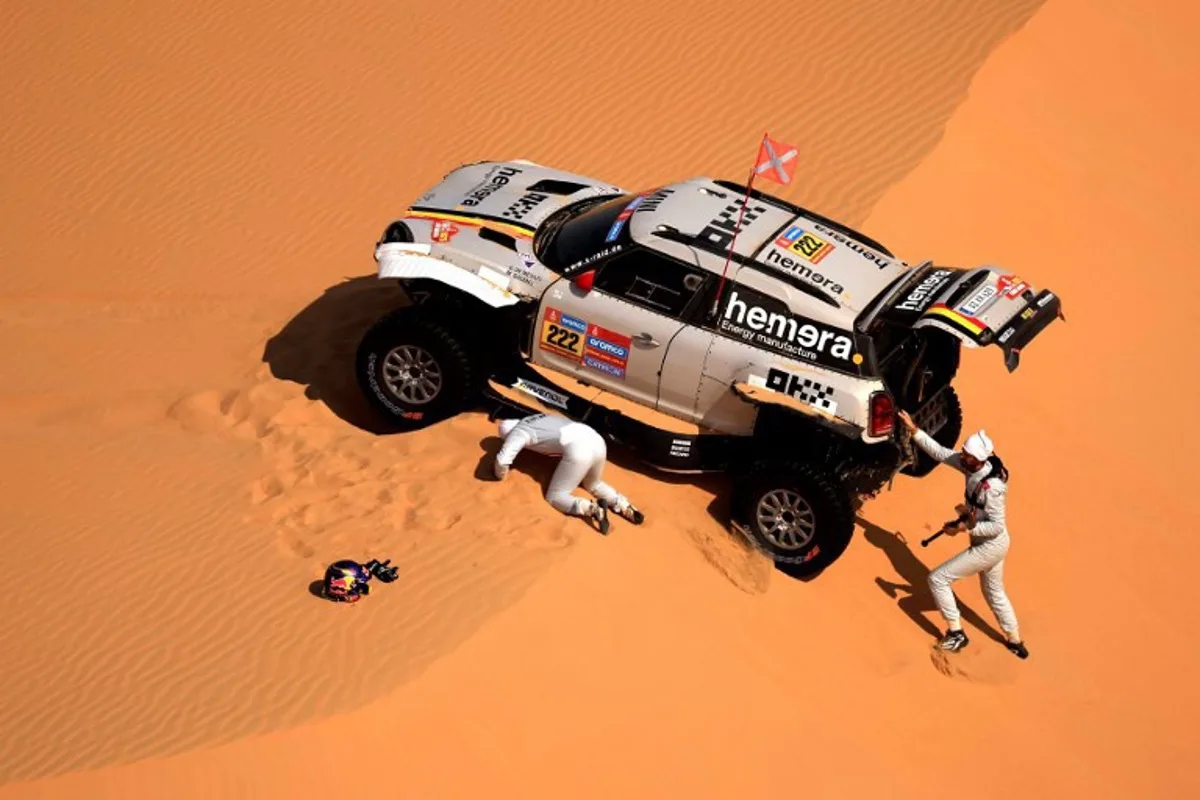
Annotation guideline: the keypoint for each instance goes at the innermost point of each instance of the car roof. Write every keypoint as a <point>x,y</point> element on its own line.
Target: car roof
<point>838,267</point>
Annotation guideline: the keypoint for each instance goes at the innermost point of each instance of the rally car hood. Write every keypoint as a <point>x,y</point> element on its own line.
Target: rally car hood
<point>482,218</point>
<point>979,306</point>
<point>515,194</point>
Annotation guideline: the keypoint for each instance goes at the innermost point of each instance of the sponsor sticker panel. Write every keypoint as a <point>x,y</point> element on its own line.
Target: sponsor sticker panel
<point>593,346</point>
<point>805,244</point>
<point>807,390</point>
<point>543,393</point>
<point>524,204</point>
<point>563,334</point>
<point>921,296</point>
<point>495,179</point>
<point>619,222</point>
<point>766,322</point>
<point>980,300</point>
<point>443,231</point>
<point>607,351</point>
<point>720,231</point>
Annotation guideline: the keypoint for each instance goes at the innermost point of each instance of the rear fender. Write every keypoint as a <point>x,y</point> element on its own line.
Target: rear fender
<point>408,261</point>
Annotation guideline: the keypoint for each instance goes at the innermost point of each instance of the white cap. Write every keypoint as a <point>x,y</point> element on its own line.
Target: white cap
<point>978,445</point>
<point>506,426</point>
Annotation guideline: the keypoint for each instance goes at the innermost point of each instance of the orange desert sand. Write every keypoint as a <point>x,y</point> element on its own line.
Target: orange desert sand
<point>188,203</point>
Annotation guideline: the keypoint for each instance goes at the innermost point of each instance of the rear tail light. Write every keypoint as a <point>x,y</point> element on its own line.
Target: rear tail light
<point>883,414</point>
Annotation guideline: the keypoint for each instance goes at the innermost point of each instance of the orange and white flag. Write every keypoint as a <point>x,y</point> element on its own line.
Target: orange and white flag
<point>776,161</point>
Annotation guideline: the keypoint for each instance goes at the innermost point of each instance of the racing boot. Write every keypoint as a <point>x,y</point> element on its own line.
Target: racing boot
<point>1018,649</point>
<point>628,512</point>
<point>953,641</point>
<point>600,515</point>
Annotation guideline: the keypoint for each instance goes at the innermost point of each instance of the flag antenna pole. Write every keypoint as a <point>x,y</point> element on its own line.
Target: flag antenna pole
<point>729,253</point>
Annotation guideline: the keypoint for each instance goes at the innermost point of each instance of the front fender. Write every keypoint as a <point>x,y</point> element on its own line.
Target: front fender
<point>405,261</point>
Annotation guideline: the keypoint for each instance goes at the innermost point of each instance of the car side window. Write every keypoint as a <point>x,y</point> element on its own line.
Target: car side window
<point>650,281</point>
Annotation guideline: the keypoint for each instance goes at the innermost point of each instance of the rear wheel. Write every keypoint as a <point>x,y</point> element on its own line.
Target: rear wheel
<point>944,423</point>
<point>414,371</point>
<point>795,513</point>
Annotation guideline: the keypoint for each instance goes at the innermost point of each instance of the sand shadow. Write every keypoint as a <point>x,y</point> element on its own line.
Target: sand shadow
<point>535,465</point>
<point>917,601</point>
<point>316,347</point>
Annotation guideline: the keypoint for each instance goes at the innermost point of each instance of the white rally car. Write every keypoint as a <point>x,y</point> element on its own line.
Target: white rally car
<point>533,287</point>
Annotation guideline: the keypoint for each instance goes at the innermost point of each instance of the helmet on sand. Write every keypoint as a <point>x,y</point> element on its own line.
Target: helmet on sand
<point>346,581</point>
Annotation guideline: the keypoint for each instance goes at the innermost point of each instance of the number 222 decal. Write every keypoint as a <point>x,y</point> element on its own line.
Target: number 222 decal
<point>563,334</point>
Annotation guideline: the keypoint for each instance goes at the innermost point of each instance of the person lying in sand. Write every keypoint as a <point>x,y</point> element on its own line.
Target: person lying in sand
<point>583,453</point>
<point>986,492</point>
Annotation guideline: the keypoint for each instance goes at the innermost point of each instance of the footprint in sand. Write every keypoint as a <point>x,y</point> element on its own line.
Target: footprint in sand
<point>985,662</point>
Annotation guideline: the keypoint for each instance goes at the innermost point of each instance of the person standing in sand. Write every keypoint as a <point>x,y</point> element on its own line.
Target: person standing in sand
<point>984,512</point>
<point>583,453</point>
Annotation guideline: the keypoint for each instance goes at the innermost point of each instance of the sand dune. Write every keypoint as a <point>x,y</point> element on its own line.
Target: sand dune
<point>188,203</point>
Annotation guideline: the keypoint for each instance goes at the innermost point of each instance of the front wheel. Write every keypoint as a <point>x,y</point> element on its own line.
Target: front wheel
<point>414,371</point>
<point>796,513</point>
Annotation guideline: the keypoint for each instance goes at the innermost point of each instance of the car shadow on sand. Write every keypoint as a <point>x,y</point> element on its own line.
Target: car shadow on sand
<point>316,347</point>
<point>916,600</point>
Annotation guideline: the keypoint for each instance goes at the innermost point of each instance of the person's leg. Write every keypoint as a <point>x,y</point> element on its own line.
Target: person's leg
<point>571,469</point>
<point>567,476</point>
<point>966,563</point>
<point>594,484</point>
<point>991,580</point>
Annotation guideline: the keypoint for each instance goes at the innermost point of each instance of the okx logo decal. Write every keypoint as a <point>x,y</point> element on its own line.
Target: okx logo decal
<point>606,351</point>
<point>719,232</point>
<point>563,334</point>
<point>523,205</point>
<point>806,390</point>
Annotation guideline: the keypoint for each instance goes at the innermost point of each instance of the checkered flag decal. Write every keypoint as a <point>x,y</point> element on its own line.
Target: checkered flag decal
<point>753,212</point>
<point>816,394</point>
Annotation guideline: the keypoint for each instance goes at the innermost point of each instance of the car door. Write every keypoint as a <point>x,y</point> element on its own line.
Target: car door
<point>627,323</point>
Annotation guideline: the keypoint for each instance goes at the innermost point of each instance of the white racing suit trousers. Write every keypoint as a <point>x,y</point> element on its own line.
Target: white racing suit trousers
<point>985,558</point>
<point>989,542</point>
<point>583,452</point>
<point>582,465</point>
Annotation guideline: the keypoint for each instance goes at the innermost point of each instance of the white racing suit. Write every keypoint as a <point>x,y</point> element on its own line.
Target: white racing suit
<point>985,497</point>
<point>583,452</point>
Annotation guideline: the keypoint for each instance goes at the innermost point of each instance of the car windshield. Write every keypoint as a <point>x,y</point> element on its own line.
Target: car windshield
<point>578,232</point>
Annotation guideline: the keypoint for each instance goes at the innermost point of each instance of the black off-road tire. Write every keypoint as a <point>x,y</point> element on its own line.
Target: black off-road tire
<point>947,436</point>
<point>412,328</point>
<point>829,502</point>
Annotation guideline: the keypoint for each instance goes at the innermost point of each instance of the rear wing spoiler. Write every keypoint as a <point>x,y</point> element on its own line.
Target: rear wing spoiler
<point>979,306</point>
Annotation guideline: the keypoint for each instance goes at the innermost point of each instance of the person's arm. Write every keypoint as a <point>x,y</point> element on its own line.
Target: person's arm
<point>935,450</point>
<point>994,508</point>
<point>513,444</point>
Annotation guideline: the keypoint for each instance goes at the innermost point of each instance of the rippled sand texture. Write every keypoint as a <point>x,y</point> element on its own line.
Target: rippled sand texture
<point>180,182</point>
<point>188,199</point>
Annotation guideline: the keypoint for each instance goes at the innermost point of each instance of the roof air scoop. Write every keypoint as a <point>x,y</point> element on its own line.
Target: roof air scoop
<point>552,186</point>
